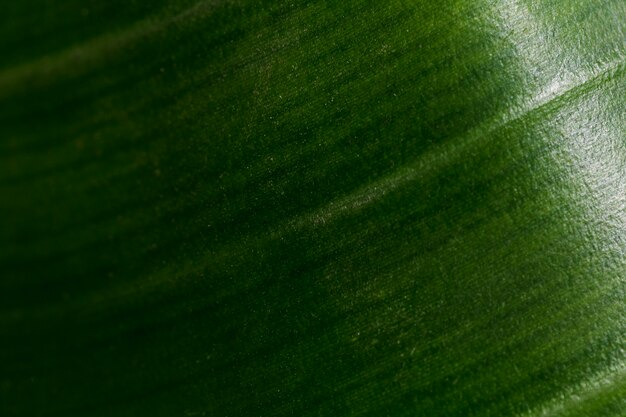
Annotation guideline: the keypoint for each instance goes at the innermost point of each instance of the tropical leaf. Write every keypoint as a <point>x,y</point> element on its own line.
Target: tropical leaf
<point>313,208</point>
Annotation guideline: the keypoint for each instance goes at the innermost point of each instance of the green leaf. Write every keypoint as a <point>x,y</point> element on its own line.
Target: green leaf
<point>313,208</point>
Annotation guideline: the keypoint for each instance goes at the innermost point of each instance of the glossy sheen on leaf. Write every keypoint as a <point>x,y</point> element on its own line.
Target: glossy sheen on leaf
<point>313,208</point>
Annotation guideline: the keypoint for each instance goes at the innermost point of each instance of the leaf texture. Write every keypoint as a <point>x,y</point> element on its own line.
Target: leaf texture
<point>313,208</point>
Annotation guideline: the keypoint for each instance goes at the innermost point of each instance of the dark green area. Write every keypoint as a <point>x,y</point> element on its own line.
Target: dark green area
<point>313,208</point>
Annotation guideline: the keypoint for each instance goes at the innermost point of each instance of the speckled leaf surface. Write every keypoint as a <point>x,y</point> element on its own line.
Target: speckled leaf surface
<point>313,208</point>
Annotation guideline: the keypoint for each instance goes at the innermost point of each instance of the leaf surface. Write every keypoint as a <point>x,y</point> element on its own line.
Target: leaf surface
<point>313,208</point>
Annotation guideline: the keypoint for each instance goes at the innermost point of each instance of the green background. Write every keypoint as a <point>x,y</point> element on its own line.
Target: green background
<point>313,208</point>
